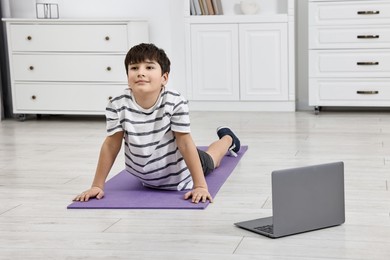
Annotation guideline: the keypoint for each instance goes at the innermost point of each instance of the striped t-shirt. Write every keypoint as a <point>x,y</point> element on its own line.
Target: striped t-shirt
<point>151,152</point>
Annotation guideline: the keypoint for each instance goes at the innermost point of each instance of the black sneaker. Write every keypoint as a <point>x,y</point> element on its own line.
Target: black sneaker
<point>235,147</point>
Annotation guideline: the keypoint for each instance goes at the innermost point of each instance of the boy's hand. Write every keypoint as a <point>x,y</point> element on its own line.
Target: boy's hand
<point>198,194</point>
<point>94,192</point>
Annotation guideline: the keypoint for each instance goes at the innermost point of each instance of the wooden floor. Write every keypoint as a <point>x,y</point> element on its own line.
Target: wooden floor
<point>45,163</point>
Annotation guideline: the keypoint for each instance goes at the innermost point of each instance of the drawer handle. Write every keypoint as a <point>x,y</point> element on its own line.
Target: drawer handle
<point>31,68</point>
<point>33,97</point>
<point>367,63</point>
<point>29,38</point>
<point>367,12</point>
<point>107,38</point>
<point>367,92</point>
<point>108,68</point>
<point>368,36</point>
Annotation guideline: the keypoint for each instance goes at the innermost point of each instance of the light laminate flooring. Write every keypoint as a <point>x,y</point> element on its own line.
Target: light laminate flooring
<point>45,163</point>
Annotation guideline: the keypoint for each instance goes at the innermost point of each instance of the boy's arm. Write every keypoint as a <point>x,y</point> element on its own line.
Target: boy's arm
<point>108,153</point>
<point>190,154</point>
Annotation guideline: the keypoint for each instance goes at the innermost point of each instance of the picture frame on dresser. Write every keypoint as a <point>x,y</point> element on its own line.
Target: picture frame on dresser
<point>349,53</point>
<point>55,64</point>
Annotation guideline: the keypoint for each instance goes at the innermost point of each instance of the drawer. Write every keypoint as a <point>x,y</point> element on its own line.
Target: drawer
<point>349,12</point>
<point>64,97</point>
<point>68,37</point>
<point>350,37</point>
<point>352,92</point>
<point>69,67</point>
<point>349,63</point>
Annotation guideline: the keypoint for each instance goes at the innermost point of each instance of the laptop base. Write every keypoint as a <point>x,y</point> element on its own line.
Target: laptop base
<point>256,225</point>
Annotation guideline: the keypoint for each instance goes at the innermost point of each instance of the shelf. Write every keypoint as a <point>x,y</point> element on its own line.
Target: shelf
<point>231,8</point>
<point>271,18</point>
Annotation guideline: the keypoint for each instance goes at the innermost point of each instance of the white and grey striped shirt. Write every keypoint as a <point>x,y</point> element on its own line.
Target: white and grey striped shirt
<point>151,152</point>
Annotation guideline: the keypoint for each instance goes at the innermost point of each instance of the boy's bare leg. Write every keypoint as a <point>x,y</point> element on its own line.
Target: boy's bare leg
<point>218,149</point>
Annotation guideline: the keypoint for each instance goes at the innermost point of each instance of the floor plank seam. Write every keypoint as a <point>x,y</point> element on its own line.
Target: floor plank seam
<point>239,243</point>
<point>265,202</point>
<point>111,225</point>
<point>8,210</point>
<point>69,181</point>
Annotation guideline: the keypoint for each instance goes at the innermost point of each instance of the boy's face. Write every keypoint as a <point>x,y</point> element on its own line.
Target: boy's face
<point>146,77</point>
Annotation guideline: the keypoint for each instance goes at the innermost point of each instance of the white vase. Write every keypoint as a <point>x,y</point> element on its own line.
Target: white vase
<point>249,7</point>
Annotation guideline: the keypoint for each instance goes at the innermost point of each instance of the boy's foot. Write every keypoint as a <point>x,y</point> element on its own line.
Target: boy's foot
<point>235,147</point>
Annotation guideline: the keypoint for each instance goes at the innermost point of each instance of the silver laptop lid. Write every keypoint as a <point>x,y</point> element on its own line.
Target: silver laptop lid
<point>308,198</point>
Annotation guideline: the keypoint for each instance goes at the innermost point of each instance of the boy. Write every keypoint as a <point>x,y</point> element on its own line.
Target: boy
<point>153,123</point>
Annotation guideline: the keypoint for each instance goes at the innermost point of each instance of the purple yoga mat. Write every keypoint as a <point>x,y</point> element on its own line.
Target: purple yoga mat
<point>124,191</point>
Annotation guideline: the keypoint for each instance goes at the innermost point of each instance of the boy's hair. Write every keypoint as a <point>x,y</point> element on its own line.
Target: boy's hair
<point>147,51</point>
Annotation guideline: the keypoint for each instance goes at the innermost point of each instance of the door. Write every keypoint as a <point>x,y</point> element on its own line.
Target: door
<point>215,62</point>
<point>263,61</point>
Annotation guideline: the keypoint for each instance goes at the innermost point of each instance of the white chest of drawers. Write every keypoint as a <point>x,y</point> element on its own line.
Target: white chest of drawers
<point>69,66</point>
<point>349,53</point>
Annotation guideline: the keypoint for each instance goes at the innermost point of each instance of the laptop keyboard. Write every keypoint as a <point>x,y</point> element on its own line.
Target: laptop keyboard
<point>267,229</point>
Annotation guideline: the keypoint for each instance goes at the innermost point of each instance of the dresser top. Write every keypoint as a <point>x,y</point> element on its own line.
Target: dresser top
<point>69,21</point>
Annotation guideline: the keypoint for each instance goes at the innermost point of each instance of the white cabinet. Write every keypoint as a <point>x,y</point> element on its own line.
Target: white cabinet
<point>69,66</point>
<point>349,53</point>
<point>241,62</point>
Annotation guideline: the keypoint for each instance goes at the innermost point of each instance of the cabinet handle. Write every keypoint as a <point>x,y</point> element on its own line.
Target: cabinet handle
<point>107,38</point>
<point>29,38</point>
<point>33,97</point>
<point>31,68</point>
<point>369,63</point>
<point>108,68</point>
<point>368,36</point>
<point>367,12</point>
<point>367,92</point>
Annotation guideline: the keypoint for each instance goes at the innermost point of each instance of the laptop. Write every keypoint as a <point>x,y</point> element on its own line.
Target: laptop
<point>303,199</point>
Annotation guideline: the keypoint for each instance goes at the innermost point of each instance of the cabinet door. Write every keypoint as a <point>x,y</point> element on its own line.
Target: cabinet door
<point>263,61</point>
<point>214,61</point>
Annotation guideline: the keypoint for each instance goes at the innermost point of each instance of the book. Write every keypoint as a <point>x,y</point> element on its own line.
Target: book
<point>210,8</point>
<point>198,11</point>
<point>217,4</point>
<point>204,4</point>
<point>192,8</point>
<point>201,6</point>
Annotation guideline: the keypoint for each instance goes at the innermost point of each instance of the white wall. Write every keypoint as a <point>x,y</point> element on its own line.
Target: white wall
<point>166,21</point>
